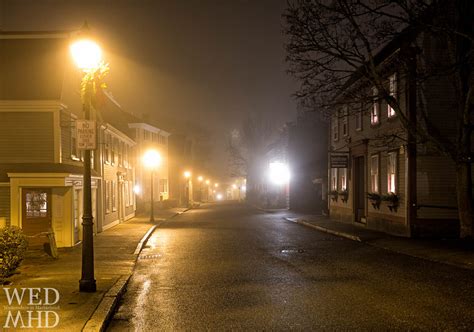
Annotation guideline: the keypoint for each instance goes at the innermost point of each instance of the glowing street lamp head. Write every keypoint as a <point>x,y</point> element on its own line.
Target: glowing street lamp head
<point>187,174</point>
<point>216,185</point>
<point>207,181</point>
<point>200,178</point>
<point>86,54</point>
<point>279,173</point>
<point>219,197</point>
<point>152,159</point>
<point>234,186</point>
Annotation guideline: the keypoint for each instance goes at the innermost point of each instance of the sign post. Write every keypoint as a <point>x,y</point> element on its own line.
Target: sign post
<point>86,134</point>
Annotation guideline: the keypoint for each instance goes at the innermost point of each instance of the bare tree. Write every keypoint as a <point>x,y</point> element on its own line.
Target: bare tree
<point>247,148</point>
<point>335,48</point>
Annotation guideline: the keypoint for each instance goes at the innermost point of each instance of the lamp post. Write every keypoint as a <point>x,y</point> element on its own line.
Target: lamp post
<point>207,190</point>
<point>200,179</point>
<point>152,160</point>
<point>87,55</point>
<point>187,176</point>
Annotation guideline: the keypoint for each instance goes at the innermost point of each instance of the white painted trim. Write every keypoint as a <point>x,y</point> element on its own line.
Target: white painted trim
<point>31,105</point>
<point>38,175</point>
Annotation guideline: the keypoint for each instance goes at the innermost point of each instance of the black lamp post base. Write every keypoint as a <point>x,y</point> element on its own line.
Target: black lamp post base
<point>87,286</point>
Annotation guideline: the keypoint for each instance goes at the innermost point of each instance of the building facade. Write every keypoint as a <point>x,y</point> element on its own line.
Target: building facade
<point>380,176</point>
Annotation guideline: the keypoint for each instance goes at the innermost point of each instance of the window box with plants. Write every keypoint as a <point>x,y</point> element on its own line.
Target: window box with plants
<point>344,195</point>
<point>375,199</point>
<point>334,194</point>
<point>392,200</point>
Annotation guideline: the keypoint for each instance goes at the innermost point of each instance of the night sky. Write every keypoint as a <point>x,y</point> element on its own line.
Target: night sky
<point>209,62</point>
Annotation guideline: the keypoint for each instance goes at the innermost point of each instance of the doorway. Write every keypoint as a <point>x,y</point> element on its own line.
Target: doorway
<point>359,189</point>
<point>36,214</point>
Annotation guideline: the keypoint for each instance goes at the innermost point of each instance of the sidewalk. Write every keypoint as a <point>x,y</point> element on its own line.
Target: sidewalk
<point>448,251</point>
<point>115,253</point>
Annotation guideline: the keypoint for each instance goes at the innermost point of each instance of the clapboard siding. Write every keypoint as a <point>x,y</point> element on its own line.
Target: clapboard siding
<point>436,185</point>
<point>5,203</point>
<point>26,137</point>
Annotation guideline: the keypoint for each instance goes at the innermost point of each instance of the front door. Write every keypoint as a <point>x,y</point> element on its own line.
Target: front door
<point>359,188</point>
<point>36,214</point>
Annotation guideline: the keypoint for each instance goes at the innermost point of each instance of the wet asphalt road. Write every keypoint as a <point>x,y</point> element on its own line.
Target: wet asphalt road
<point>231,267</point>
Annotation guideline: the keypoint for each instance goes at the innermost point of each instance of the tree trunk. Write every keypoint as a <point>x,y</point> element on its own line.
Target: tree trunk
<point>464,198</point>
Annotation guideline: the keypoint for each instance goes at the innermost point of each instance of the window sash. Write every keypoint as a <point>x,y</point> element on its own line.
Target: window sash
<point>392,172</point>
<point>343,179</point>
<point>393,93</point>
<point>333,178</point>
<point>374,114</point>
<point>374,173</point>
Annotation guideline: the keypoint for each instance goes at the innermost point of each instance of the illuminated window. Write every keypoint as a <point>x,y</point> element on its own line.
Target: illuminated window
<point>392,173</point>
<point>36,204</point>
<point>375,112</point>
<point>374,173</point>
<point>333,178</point>
<point>393,93</point>
<point>343,179</point>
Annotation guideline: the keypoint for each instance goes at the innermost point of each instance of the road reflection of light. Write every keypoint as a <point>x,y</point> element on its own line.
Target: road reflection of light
<point>142,298</point>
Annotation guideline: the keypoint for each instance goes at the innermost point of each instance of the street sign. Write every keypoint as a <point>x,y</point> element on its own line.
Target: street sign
<point>339,160</point>
<point>86,134</point>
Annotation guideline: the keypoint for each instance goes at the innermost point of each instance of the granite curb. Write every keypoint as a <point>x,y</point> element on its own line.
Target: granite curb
<point>395,245</point>
<point>107,305</point>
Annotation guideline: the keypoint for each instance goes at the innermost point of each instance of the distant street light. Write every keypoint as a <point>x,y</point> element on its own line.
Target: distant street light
<point>88,56</point>
<point>279,173</point>
<point>187,175</point>
<point>200,179</point>
<point>151,160</point>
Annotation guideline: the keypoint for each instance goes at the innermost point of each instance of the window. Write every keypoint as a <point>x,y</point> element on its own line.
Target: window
<point>163,185</point>
<point>358,120</point>
<point>36,204</point>
<point>120,153</point>
<point>392,81</point>
<point>343,179</point>
<point>374,114</point>
<point>335,128</point>
<point>146,135</point>
<point>132,192</point>
<point>374,173</point>
<point>113,149</point>
<point>345,124</point>
<point>126,193</point>
<point>107,196</point>
<point>107,148</point>
<point>333,178</point>
<point>392,172</point>
<point>113,196</point>
<point>74,151</point>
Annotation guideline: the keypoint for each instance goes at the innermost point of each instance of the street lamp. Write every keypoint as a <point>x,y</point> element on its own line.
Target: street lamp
<point>151,160</point>
<point>187,175</point>
<point>200,179</point>
<point>88,56</point>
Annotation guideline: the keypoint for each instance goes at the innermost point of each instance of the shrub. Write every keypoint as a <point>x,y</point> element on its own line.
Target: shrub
<point>13,246</point>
